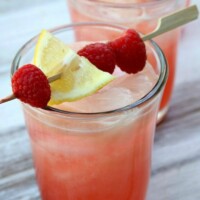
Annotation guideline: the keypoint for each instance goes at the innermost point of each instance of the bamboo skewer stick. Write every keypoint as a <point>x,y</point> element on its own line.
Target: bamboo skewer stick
<point>8,98</point>
<point>173,21</point>
<point>54,78</point>
<point>165,24</point>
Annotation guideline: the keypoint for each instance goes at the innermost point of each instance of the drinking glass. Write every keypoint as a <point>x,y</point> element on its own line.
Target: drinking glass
<point>141,15</point>
<point>102,155</point>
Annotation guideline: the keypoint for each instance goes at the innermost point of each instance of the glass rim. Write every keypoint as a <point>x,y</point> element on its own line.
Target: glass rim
<point>129,5</point>
<point>153,92</point>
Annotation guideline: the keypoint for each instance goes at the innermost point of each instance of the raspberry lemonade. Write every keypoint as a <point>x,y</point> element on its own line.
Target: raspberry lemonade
<point>94,141</point>
<point>142,15</point>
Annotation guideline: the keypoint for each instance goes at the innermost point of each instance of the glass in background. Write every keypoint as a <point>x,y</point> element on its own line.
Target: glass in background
<point>141,15</point>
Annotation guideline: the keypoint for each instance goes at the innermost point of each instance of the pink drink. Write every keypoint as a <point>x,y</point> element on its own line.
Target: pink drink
<point>105,155</point>
<point>141,16</point>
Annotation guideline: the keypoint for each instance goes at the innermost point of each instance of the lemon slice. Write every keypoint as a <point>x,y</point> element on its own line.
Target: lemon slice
<point>49,53</point>
<point>79,77</point>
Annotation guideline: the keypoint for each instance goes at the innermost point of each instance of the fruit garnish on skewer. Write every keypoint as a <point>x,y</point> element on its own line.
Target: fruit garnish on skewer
<point>101,55</point>
<point>128,52</point>
<point>30,85</point>
<point>79,77</point>
<point>76,76</point>
<point>73,78</point>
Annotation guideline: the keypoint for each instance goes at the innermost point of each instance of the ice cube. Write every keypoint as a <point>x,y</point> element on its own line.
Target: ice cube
<point>123,91</point>
<point>104,100</point>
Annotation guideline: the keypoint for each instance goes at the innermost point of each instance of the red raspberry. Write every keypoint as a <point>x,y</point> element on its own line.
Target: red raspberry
<point>101,55</point>
<point>31,86</point>
<point>130,52</point>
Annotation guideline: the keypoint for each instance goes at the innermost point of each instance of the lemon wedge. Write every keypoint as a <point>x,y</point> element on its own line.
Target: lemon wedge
<point>79,77</point>
<point>49,53</point>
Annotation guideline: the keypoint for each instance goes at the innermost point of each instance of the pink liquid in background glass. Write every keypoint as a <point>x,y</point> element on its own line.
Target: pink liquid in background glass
<point>168,41</point>
<point>97,158</point>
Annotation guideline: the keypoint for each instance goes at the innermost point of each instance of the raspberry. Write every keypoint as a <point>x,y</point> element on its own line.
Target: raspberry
<point>31,86</point>
<point>101,55</point>
<point>130,52</point>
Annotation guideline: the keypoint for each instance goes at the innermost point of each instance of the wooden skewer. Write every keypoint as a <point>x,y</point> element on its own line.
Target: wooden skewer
<point>165,24</point>
<point>173,21</point>
<point>54,78</point>
<point>8,98</point>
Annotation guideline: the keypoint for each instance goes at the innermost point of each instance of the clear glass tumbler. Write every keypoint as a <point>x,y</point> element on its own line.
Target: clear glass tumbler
<point>104,155</point>
<point>141,15</point>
